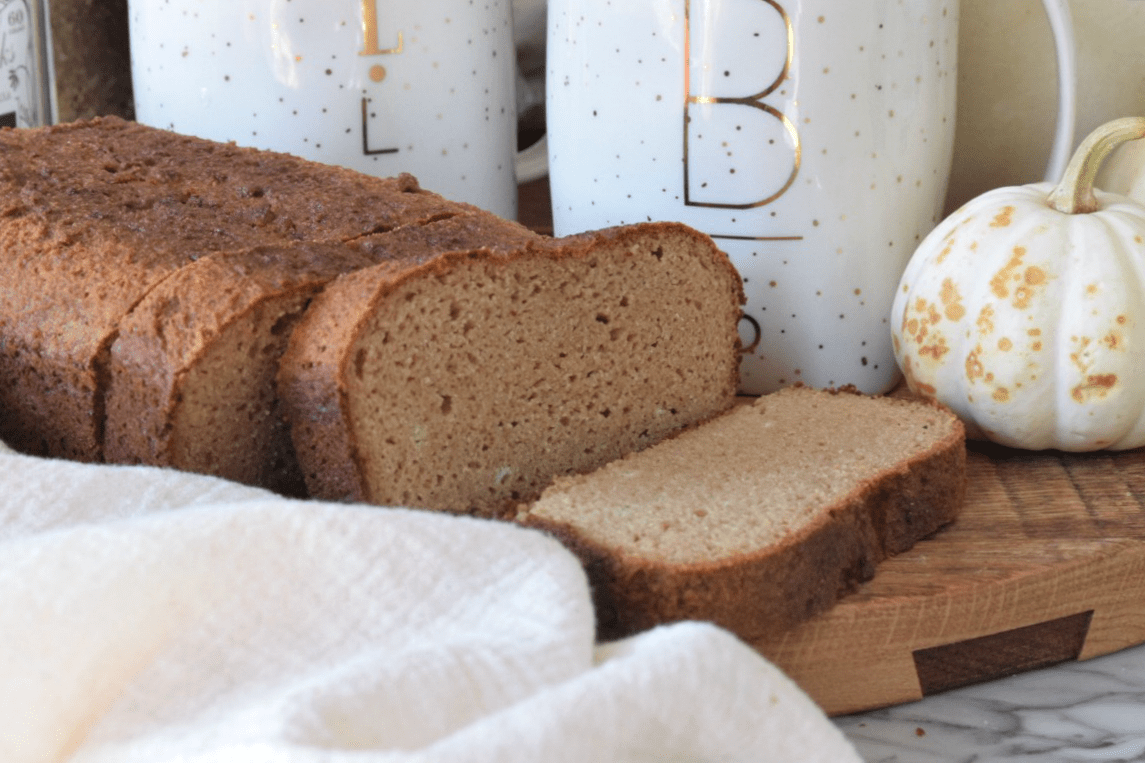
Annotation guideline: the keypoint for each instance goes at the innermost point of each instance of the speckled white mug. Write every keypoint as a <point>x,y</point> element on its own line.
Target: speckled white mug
<point>811,138</point>
<point>381,86</point>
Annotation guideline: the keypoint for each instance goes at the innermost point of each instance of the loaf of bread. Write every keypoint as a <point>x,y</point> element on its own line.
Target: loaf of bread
<point>439,356</point>
<point>763,517</point>
<point>94,215</point>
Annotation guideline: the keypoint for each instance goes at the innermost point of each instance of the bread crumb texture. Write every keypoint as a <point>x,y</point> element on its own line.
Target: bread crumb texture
<point>746,480</point>
<point>764,516</point>
<point>472,385</point>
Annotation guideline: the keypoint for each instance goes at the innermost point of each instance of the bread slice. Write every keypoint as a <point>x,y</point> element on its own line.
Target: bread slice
<point>763,517</point>
<point>93,215</point>
<point>467,382</point>
<point>191,380</point>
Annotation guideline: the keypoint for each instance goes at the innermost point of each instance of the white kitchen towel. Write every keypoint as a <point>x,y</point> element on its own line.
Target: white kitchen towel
<point>152,616</point>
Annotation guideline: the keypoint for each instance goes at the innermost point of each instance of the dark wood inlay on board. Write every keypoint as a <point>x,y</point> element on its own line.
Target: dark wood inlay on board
<point>952,666</point>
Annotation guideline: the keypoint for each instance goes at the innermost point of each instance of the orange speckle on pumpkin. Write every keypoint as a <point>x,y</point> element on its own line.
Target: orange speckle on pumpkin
<point>1024,294</point>
<point>1091,289</point>
<point>1122,320</point>
<point>1079,358</point>
<point>1003,218</point>
<point>1002,395</point>
<point>919,322</point>
<point>951,300</point>
<point>999,284</point>
<point>1095,386</point>
<point>936,349</point>
<point>986,320</point>
<point>1005,345</point>
<point>919,388</point>
<point>974,367</point>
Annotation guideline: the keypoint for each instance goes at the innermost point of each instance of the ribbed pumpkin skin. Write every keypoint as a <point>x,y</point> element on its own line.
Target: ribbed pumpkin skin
<point>1030,323</point>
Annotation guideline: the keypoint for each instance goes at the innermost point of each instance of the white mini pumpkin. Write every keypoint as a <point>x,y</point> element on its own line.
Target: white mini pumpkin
<point>1024,311</point>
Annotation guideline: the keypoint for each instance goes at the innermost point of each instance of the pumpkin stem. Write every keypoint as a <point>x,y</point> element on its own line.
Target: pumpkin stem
<point>1074,194</point>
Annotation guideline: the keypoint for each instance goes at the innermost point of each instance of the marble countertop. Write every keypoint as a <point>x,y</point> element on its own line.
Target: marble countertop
<point>1076,711</point>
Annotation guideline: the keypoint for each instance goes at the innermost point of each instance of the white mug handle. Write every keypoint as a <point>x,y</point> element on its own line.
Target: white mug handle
<point>533,162</point>
<point>1061,24</point>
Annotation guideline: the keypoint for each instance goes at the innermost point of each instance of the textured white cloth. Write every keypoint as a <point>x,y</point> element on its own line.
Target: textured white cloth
<point>149,615</point>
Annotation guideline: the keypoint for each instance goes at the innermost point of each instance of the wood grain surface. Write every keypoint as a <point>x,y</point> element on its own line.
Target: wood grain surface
<point>1046,564</point>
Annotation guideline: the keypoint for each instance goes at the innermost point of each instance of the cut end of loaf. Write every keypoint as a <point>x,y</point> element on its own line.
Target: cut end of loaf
<point>192,372</point>
<point>473,382</point>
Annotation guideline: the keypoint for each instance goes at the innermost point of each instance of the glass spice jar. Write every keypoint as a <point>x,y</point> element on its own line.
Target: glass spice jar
<point>26,90</point>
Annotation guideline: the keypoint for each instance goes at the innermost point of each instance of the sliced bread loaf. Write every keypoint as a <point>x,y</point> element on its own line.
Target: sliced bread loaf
<point>466,383</point>
<point>152,279</point>
<point>762,517</point>
<point>93,215</point>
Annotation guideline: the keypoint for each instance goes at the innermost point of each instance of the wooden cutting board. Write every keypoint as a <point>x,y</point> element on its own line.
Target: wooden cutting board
<point>1046,564</point>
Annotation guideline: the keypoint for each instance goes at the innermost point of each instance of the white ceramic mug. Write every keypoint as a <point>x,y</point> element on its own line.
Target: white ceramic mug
<point>380,86</point>
<point>811,138</point>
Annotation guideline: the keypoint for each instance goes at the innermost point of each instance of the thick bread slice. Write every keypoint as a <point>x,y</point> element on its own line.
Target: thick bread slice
<point>468,382</point>
<point>191,382</point>
<point>93,215</point>
<point>763,517</point>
